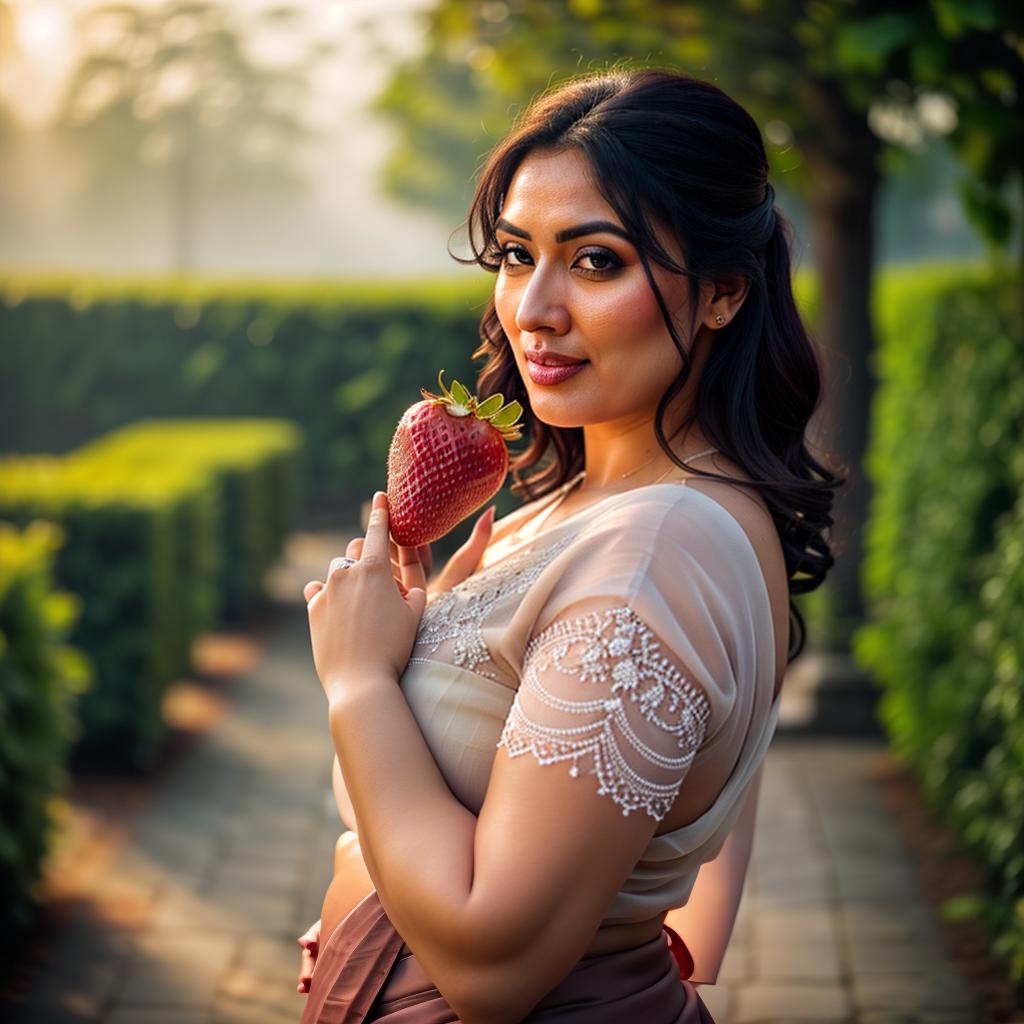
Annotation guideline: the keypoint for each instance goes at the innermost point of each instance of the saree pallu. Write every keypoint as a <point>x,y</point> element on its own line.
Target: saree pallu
<point>365,972</point>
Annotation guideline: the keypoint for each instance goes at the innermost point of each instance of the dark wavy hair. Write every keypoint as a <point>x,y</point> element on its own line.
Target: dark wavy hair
<point>666,146</point>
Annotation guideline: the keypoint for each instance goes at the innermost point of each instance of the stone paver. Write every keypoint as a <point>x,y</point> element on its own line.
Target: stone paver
<point>195,920</point>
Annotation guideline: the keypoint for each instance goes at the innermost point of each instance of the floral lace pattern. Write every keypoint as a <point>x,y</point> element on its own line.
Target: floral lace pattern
<point>598,687</point>
<point>458,614</point>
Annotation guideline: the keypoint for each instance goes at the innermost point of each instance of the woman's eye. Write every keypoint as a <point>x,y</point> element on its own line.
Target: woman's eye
<point>602,262</point>
<point>513,250</point>
<point>600,259</point>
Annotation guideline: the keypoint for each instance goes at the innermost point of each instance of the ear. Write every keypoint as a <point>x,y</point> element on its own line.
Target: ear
<point>722,298</point>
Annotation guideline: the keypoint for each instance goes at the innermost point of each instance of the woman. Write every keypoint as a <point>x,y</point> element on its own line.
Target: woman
<point>538,760</point>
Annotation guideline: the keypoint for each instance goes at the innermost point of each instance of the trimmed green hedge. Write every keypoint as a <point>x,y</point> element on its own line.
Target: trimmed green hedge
<point>82,357</point>
<point>258,467</point>
<point>169,526</point>
<point>944,572</point>
<point>121,557</point>
<point>39,676</point>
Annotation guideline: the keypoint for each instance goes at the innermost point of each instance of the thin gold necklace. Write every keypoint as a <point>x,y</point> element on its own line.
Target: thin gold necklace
<point>545,514</point>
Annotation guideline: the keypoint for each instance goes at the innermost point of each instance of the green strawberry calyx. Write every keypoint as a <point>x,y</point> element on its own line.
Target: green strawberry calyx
<point>457,401</point>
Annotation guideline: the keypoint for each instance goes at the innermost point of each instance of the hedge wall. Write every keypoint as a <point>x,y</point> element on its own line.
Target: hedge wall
<point>82,357</point>
<point>39,677</point>
<point>944,571</point>
<point>164,535</point>
<point>258,470</point>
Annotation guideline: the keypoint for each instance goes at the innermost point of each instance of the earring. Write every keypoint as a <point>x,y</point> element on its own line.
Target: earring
<point>719,319</point>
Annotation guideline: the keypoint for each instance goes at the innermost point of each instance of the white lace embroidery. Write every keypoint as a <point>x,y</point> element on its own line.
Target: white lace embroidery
<point>673,712</point>
<point>458,614</point>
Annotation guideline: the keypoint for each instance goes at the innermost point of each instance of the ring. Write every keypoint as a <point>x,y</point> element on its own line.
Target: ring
<point>341,562</point>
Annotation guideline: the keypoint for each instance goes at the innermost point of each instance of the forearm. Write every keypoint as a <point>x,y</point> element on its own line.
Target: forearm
<point>416,838</point>
<point>706,922</point>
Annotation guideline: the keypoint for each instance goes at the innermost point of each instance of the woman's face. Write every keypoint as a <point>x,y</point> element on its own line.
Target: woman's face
<point>584,296</point>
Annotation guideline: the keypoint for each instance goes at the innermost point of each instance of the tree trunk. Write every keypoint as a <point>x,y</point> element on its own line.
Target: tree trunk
<point>184,194</point>
<point>844,182</point>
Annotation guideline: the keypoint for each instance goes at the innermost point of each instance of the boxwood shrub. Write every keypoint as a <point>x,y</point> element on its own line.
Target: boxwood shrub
<point>170,527</point>
<point>40,674</point>
<point>944,570</point>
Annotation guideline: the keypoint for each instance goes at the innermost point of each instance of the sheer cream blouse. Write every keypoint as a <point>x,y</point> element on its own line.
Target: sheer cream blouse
<point>675,665</point>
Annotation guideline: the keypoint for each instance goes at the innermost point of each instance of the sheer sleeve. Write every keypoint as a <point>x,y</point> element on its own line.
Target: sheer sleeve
<point>599,692</point>
<point>637,644</point>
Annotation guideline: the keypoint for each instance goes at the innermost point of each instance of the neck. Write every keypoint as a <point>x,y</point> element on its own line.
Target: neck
<point>648,467</point>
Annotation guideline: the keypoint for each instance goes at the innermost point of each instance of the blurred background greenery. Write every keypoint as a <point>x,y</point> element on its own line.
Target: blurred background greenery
<point>223,233</point>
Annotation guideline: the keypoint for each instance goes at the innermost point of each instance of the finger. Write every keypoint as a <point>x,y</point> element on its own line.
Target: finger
<point>465,561</point>
<point>306,972</point>
<point>426,557</point>
<point>355,550</point>
<point>311,589</point>
<point>375,545</point>
<point>411,568</point>
<point>417,600</point>
<point>486,521</point>
<point>481,532</point>
<point>311,934</point>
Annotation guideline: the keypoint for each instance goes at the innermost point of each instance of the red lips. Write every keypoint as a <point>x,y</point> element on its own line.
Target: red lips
<point>546,356</point>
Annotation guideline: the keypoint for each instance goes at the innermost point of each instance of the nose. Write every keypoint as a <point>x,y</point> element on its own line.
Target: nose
<point>542,306</point>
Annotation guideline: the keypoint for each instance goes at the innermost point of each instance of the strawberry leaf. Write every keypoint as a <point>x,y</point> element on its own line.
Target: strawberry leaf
<point>460,394</point>
<point>508,415</point>
<point>490,406</point>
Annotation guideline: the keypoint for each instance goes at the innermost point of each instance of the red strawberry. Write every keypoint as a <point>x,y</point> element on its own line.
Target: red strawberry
<point>447,458</point>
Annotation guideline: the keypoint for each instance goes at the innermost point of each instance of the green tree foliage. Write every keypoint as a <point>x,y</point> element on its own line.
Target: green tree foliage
<point>821,78</point>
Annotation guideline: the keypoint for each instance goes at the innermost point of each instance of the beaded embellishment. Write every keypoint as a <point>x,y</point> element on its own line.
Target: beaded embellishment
<point>458,614</point>
<point>638,715</point>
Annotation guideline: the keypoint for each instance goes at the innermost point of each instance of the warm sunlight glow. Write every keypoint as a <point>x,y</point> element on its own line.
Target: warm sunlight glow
<point>40,28</point>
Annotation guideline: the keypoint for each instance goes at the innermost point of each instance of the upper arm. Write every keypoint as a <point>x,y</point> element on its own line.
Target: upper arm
<point>611,717</point>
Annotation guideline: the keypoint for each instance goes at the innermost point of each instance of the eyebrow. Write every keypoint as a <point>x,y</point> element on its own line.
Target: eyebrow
<point>592,227</point>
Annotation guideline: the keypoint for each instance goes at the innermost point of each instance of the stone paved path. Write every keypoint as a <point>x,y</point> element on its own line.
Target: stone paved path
<point>194,921</point>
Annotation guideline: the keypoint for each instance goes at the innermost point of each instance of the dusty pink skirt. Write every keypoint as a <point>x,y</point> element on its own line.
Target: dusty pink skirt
<point>365,972</point>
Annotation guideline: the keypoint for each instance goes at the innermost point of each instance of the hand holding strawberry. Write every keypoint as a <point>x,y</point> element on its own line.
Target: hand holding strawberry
<point>411,566</point>
<point>448,456</point>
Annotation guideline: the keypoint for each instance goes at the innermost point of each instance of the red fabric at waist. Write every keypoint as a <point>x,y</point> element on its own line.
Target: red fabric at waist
<point>679,951</point>
<point>361,975</point>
